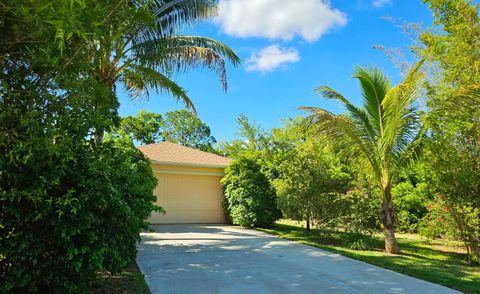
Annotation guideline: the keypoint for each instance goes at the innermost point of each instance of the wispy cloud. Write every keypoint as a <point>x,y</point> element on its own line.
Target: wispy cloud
<point>279,19</point>
<point>381,3</point>
<point>271,57</point>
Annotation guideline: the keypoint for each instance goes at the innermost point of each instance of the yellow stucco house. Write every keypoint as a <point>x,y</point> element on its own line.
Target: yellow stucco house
<point>189,186</point>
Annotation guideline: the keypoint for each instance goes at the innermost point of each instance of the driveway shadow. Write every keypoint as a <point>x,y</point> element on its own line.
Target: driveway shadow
<point>227,259</point>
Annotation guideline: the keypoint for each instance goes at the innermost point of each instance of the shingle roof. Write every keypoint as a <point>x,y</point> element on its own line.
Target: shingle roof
<point>170,153</point>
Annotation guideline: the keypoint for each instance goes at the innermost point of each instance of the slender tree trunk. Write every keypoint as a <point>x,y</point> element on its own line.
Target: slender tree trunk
<point>97,136</point>
<point>391,244</point>
<point>308,224</point>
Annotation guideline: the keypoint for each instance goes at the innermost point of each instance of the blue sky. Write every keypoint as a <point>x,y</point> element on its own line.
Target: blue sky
<point>286,53</point>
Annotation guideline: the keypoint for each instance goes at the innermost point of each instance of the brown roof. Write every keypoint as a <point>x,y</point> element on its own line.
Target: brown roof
<point>170,153</point>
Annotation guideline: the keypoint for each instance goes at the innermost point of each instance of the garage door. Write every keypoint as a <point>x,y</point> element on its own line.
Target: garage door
<point>188,199</point>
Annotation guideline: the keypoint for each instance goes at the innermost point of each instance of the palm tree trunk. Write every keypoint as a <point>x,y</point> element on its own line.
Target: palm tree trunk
<point>391,244</point>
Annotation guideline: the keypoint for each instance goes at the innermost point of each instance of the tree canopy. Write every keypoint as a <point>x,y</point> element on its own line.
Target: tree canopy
<point>180,127</point>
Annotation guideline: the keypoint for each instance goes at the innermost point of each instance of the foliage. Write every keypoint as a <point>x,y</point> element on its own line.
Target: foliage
<point>411,196</point>
<point>185,128</point>
<point>382,133</point>
<point>81,213</point>
<point>410,204</point>
<point>438,222</point>
<point>253,138</point>
<point>359,242</point>
<point>457,180</point>
<point>45,95</point>
<point>180,127</point>
<point>310,178</point>
<point>144,128</point>
<point>454,99</point>
<point>145,49</point>
<point>360,209</point>
<point>250,198</point>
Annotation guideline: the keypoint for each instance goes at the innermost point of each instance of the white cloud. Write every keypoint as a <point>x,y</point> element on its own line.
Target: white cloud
<point>381,3</point>
<point>271,57</point>
<point>279,19</point>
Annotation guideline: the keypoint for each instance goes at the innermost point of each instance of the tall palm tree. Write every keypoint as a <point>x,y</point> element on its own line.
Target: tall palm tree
<point>145,49</point>
<point>384,132</point>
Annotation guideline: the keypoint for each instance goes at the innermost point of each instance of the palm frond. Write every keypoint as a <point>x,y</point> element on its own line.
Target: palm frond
<point>166,44</point>
<point>387,130</point>
<point>165,18</point>
<point>139,80</point>
<point>181,53</point>
<point>400,117</point>
<point>344,131</point>
<point>412,147</point>
<point>374,85</point>
<point>357,114</point>
<point>171,16</point>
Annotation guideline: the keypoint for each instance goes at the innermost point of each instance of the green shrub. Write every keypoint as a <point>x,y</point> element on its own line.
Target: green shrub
<point>438,222</point>
<point>360,213</point>
<point>250,199</point>
<point>69,211</point>
<point>410,205</point>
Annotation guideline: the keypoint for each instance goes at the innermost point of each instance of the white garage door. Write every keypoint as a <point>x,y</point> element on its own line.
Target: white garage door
<point>188,198</point>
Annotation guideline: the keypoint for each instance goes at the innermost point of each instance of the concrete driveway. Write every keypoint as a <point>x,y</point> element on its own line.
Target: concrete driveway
<point>225,259</point>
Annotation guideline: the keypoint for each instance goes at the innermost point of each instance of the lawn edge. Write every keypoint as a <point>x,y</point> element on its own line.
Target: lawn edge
<point>332,249</point>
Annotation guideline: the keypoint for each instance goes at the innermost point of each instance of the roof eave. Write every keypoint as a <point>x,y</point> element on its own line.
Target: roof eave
<point>189,164</point>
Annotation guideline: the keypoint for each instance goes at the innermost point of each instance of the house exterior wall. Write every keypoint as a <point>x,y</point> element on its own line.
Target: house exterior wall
<point>189,194</point>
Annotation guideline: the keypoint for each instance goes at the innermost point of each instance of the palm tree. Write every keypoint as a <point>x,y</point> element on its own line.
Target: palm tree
<point>384,132</point>
<point>144,50</point>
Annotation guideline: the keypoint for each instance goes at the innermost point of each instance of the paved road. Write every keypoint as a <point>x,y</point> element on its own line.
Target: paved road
<point>225,259</point>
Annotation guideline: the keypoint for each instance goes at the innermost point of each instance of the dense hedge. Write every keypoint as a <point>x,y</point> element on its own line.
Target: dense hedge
<point>68,211</point>
<point>250,198</point>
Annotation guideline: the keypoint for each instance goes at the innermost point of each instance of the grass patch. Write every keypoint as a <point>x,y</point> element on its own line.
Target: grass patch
<point>438,261</point>
<point>130,281</point>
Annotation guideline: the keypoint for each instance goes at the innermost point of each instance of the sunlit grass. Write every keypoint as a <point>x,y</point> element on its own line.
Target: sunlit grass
<point>438,261</point>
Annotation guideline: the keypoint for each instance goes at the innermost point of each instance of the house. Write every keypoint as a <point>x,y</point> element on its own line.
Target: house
<point>189,186</point>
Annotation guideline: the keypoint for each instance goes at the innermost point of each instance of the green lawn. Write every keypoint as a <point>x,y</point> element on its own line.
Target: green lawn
<point>438,261</point>
<point>130,281</point>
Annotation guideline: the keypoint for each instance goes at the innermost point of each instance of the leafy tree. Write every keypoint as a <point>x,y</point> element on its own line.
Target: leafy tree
<point>310,184</point>
<point>145,127</point>
<point>382,133</point>
<point>250,198</point>
<point>307,175</point>
<point>454,98</point>
<point>185,128</point>
<point>231,149</point>
<point>145,49</point>
<point>253,138</point>
<point>180,126</point>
